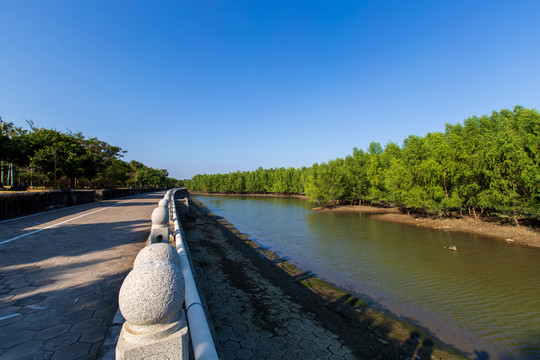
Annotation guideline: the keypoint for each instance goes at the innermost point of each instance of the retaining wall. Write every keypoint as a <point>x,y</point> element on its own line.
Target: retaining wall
<point>19,204</point>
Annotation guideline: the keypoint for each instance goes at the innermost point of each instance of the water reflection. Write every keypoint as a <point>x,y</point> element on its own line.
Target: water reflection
<point>483,299</point>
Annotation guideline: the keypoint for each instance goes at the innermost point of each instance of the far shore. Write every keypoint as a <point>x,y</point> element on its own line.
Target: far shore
<point>510,234</point>
<point>252,195</point>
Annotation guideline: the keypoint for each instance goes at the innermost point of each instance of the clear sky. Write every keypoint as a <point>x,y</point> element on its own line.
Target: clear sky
<point>219,86</point>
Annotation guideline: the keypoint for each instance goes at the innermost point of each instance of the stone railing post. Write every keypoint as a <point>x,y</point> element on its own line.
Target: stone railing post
<point>150,300</point>
<point>160,223</point>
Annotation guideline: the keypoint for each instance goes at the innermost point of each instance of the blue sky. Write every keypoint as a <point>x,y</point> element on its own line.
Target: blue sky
<point>219,86</point>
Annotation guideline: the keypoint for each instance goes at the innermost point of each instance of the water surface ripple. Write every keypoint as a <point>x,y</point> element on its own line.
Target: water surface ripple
<point>483,298</point>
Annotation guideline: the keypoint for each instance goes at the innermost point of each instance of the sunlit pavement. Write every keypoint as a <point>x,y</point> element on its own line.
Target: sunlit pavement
<point>60,273</point>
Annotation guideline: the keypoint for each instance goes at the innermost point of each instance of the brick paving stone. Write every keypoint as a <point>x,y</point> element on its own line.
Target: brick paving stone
<point>228,355</point>
<point>28,348</point>
<point>249,343</point>
<point>77,317</point>
<point>294,338</point>
<point>72,309</point>
<point>307,354</point>
<point>68,274</point>
<point>10,339</point>
<point>294,329</point>
<point>97,334</point>
<point>8,310</point>
<point>30,300</point>
<point>33,308</point>
<point>43,323</point>
<point>277,357</point>
<point>40,355</point>
<point>9,320</point>
<point>87,324</point>
<point>277,349</point>
<point>261,352</point>
<point>244,354</point>
<point>95,302</point>
<point>306,344</point>
<point>94,349</point>
<point>73,351</point>
<point>322,353</point>
<point>231,345</point>
<point>52,332</point>
<point>337,350</point>
<point>61,341</point>
<point>107,312</point>
<point>308,335</point>
<point>6,297</point>
<point>237,336</point>
<point>87,357</point>
<point>36,313</point>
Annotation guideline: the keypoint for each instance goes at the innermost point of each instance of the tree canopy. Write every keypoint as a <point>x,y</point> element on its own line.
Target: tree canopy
<point>488,163</point>
<point>79,162</point>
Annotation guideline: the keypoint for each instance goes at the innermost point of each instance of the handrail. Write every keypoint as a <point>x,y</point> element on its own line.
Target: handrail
<point>203,344</point>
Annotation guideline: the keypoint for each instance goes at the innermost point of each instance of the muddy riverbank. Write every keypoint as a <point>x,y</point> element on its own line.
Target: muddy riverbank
<point>264,289</point>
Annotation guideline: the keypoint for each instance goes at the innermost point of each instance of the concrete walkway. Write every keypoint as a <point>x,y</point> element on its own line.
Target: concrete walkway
<point>60,273</point>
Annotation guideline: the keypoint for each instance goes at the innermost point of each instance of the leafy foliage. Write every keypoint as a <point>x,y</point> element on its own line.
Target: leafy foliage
<point>489,163</point>
<point>77,160</point>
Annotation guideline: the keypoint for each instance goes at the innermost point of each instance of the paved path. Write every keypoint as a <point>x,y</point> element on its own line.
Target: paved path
<point>254,317</point>
<point>60,273</point>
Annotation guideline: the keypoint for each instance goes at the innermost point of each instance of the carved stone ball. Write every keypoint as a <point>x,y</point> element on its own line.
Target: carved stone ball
<point>163,203</point>
<point>156,252</point>
<point>160,216</point>
<point>152,293</point>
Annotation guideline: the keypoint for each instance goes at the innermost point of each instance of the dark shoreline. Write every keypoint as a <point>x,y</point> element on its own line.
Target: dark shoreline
<point>351,315</point>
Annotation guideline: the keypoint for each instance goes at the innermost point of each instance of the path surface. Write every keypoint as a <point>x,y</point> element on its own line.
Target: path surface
<point>254,317</point>
<point>60,273</point>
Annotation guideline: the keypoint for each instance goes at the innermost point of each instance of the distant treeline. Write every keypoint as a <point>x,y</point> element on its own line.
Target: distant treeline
<point>33,157</point>
<point>488,163</point>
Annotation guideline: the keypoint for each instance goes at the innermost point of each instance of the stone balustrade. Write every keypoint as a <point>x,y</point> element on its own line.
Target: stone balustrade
<point>152,296</point>
<point>160,223</point>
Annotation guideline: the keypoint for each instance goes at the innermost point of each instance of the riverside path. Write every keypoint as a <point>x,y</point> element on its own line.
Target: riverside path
<point>60,273</point>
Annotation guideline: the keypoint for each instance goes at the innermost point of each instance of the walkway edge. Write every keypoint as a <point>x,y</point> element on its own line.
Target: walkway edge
<point>201,337</point>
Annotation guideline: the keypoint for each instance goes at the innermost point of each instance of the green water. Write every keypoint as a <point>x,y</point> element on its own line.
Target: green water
<point>484,298</point>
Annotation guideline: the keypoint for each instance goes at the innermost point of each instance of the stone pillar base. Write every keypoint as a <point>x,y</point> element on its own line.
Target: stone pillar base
<point>169,344</point>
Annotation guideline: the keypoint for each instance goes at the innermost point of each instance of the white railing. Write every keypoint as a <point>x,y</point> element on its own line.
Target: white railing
<point>203,344</point>
<point>152,295</point>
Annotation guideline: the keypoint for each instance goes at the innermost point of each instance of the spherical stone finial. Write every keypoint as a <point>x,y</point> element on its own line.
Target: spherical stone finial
<point>156,252</point>
<point>152,293</point>
<point>163,203</point>
<point>160,216</point>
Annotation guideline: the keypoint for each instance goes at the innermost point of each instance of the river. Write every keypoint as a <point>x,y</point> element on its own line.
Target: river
<point>483,299</point>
